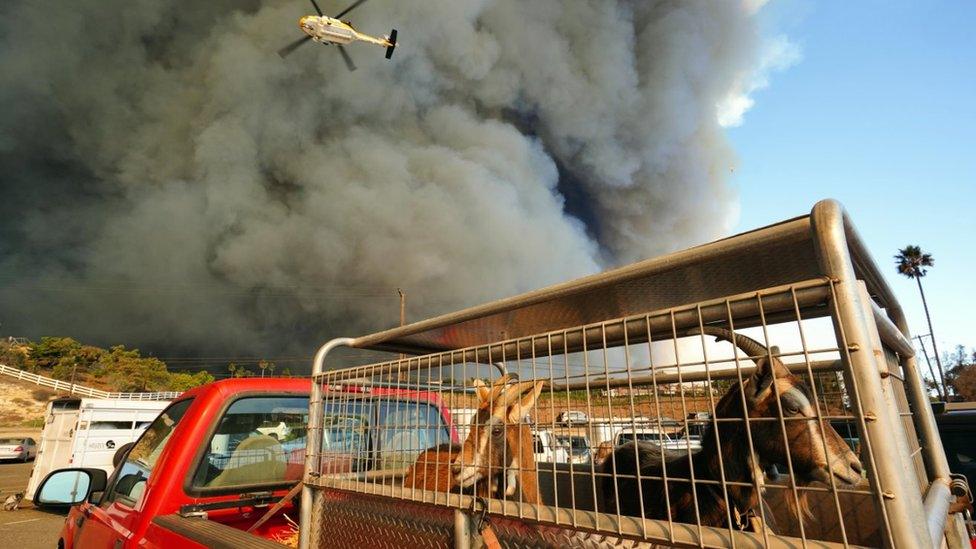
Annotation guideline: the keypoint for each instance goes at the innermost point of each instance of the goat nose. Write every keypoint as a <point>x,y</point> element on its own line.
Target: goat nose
<point>456,468</point>
<point>856,466</point>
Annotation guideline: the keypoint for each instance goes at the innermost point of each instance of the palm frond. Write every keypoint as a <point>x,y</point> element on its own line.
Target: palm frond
<point>910,261</point>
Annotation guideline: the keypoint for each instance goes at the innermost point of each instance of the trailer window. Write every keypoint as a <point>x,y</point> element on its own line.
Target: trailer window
<point>130,481</point>
<point>260,440</point>
<point>105,425</point>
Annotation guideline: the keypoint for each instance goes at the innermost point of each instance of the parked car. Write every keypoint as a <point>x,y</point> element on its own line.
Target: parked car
<point>547,449</point>
<point>18,448</point>
<point>579,447</point>
<point>570,417</point>
<point>957,428</point>
<point>659,438</point>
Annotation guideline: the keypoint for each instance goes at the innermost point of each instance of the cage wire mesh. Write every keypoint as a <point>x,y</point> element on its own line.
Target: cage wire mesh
<point>644,427</point>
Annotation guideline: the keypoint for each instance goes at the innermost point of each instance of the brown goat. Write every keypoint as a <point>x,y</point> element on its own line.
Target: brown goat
<point>496,459</point>
<point>815,451</point>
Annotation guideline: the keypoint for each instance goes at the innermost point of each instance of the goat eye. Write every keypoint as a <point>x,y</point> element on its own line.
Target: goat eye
<point>496,431</point>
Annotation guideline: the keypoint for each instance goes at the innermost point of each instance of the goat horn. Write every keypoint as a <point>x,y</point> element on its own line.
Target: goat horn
<point>748,345</point>
<point>513,392</point>
<point>497,388</point>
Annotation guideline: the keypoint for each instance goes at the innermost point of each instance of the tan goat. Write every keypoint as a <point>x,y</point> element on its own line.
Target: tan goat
<point>497,457</point>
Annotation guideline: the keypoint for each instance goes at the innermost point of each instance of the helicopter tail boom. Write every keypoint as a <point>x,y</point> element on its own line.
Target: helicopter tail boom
<point>392,39</point>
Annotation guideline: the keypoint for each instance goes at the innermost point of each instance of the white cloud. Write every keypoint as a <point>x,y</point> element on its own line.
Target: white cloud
<point>777,54</point>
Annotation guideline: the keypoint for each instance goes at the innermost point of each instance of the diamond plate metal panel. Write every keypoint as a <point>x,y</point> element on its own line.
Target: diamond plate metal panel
<point>356,520</point>
<point>345,519</point>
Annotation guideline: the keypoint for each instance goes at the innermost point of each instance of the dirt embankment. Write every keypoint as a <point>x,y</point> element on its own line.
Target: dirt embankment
<point>22,404</point>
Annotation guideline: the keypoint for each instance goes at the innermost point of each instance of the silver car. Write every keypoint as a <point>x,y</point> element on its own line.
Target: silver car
<point>19,448</point>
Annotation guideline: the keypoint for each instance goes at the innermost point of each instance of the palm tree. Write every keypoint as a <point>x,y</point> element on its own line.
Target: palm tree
<point>912,263</point>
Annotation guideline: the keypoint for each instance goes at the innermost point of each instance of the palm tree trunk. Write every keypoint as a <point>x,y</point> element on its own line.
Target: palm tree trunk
<point>935,349</point>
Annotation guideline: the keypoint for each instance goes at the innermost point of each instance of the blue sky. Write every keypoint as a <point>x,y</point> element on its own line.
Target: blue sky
<point>879,113</point>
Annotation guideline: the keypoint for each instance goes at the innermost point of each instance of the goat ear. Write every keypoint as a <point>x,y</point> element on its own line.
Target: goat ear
<point>762,378</point>
<point>525,403</point>
<point>481,389</point>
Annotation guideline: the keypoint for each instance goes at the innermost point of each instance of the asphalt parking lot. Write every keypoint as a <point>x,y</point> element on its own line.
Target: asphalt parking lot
<point>25,528</point>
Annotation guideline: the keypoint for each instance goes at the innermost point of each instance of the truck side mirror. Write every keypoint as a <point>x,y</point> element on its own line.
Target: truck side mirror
<point>66,487</point>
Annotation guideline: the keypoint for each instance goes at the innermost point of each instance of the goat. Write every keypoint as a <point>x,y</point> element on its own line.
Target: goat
<point>815,451</point>
<point>497,457</point>
<point>603,452</point>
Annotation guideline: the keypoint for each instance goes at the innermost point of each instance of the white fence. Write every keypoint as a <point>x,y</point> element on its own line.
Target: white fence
<point>81,390</point>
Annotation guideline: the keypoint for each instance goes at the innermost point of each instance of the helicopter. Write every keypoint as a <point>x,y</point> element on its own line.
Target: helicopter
<point>334,31</point>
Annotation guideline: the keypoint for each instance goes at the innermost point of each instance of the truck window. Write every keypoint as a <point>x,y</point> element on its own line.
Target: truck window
<point>347,436</point>
<point>259,440</point>
<point>131,478</point>
<point>408,428</point>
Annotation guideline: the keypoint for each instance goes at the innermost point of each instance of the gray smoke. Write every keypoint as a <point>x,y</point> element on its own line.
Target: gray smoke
<point>169,182</point>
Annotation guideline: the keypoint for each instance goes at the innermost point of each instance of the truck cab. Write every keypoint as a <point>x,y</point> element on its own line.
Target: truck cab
<point>207,455</point>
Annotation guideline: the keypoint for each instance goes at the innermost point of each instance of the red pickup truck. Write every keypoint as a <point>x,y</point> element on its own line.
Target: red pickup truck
<point>227,452</point>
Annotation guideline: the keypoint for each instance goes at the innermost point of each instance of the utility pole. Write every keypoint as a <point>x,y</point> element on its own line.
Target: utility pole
<point>403,321</point>
<point>935,349</point>
<point>939,388</point>
<point>403,303</point>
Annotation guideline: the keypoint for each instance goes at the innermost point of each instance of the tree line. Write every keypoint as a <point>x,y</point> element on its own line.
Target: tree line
<point>115,369</point>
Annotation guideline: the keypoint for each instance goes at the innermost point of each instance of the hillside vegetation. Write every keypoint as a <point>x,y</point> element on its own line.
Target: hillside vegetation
<point>22,404</point>
<point>113,369</point>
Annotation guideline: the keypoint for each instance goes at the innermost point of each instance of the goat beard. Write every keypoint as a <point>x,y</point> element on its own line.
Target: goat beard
<point>799,507</point>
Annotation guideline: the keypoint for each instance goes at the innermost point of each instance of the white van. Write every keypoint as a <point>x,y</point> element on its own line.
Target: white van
<point>86,432</point>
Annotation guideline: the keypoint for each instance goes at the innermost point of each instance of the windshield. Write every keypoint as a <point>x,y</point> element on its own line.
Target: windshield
<point>131,477</point>
<point>577,444</point>
<point>259,440</point>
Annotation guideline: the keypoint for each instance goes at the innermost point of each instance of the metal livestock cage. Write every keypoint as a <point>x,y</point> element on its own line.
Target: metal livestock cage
<point>615,410</point>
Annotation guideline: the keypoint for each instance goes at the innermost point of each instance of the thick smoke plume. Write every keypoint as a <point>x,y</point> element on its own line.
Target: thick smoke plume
<point>169,182</point>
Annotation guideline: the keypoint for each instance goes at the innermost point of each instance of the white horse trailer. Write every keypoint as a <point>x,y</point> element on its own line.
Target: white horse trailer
<point>86,432</point>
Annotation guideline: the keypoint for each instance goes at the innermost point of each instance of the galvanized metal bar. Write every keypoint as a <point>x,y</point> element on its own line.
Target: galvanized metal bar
<point>313,445</point>
<point>861,259</point>
<point>890,334</point>
<point>665,378</point>
<point>924,418</point>
<point>789,232</point>
<point>462,530</point>
<point>936,509</point>
<point>808,293</point>
<point>900,500</point>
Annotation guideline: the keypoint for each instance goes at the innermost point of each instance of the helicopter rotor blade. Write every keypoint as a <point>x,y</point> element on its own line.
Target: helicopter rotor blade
<point>345,57</point>
<point>349,9</point>
<point>286,51</point>
<point>317,8</point>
